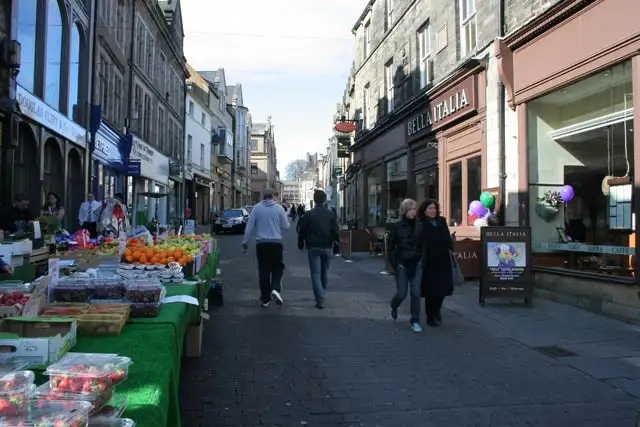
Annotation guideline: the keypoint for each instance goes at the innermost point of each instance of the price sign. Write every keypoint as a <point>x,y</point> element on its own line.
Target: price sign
<point>54,271</point>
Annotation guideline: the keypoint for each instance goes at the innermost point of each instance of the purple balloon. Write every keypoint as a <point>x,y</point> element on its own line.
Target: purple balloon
<point>477,208</point>
<point>567,193</point>
<point>487,215</point>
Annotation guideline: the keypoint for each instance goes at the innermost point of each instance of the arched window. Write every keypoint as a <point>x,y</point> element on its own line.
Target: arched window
<point>53,70</point>
<point>27,14</point>
<point>74,74</point>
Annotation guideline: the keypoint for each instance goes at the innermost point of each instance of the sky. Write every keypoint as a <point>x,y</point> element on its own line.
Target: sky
<point>292,58</point>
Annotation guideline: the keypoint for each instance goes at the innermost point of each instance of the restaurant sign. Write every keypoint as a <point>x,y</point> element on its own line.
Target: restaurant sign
<point>452,105</point>
<point>506,263</point>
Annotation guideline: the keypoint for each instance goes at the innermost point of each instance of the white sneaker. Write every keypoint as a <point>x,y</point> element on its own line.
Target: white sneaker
<point>276,295</point>
<point>264,304</point>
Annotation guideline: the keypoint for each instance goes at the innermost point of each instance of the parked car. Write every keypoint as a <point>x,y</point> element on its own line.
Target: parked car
<point>248,208</point>
<point>232,221</point>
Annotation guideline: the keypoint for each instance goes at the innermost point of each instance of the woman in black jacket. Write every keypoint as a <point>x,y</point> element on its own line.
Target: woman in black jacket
<point>437,246</point>
<point>403,249</point>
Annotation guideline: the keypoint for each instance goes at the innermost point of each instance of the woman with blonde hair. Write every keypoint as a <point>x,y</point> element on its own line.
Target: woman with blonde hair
<point>404,252</point>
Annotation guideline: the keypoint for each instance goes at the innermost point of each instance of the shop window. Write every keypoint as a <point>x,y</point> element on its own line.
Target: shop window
<point>426,185</point>
<point>474,182</point>
<point>74,75</point>
<point>374,200</point>
<point>27,18</point>
<point>455,194</point>
<point>396,187</point>
<point>424,50</point>
<point>53,70</point>
<point>468,26</point>
<point>580,148</point>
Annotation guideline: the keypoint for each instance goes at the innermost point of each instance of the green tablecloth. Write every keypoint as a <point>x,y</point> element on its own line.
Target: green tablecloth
<point>155,346</point>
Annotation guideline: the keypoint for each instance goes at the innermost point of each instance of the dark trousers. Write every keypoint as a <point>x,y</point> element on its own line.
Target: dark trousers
<point>432,306</point>
<point>92,228</point>
<point>270,268</point>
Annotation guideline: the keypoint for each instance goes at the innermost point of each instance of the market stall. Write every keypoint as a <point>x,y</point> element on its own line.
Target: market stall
<point>134,303</point>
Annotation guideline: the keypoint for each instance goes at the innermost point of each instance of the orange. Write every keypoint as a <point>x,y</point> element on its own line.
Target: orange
<point>182,261</point>
<point>129,258</point>
<point>136,256</point>
<point>143,259</point>
<point>127,252</point>
<point>170,259</point>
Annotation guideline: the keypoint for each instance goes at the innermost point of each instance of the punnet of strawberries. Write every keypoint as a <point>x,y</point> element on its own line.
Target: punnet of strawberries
<point>15,389</point>
<point>44,413</point>
<point>81,373</point>
<point>98,400</point>
<point>13,298</point>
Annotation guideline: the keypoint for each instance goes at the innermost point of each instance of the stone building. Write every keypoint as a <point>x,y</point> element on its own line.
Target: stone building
<point>264,172</point>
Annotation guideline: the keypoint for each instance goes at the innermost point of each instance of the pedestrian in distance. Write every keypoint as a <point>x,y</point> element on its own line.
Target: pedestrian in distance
<point>267,221</point>
<point>318,231</point>
<point>405,253</point>
<point>437,277</point>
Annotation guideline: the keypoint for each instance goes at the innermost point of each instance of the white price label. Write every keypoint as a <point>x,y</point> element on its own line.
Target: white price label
<point>54,271</point>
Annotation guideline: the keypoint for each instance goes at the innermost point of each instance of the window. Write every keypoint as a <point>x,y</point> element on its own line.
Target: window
<point>74,74</point>
<point>203,120</point>
<point>169,143</point>
<point>141,30</point>
<point>474,181</point>
<point>53,70</point>
<point>117,99</point>
<point>365,106</point>
<point>468,26</point>
<point>441,38</point>
<point>178,143</point>
<point>254,169</point>
<point>202,156</point>
<point>137,105</point>
<point>424,55</point>
<point>254,145</point>
<point>162,74</point>
<point>103,85</point>
<point>189,148</point>
<point>455,196</point>
<point>367,40</point>
<point>191,108</point>
<point>388,85</point>
<point>147,117</point>
<point>27,16</point>
<point>388,8</point>
<point>120,23</point>
<point>374,181</point>
<point>150,56</point>
<point>161,119</point>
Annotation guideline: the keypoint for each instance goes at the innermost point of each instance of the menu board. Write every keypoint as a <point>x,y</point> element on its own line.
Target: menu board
<point>506,263</point>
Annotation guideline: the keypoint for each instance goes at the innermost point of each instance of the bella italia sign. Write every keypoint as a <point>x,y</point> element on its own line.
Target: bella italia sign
<point>450,106</point>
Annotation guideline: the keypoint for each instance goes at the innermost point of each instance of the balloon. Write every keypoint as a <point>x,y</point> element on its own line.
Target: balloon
<point>567,193</point>
<point>487,215</point>
<point>486,199</point>
<point>480,222</point>
<point>476,208</point>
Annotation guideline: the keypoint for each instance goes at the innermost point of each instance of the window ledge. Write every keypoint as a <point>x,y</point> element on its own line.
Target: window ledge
<point>585,275</point>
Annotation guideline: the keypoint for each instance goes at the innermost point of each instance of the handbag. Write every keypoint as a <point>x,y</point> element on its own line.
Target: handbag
<point>456,274</point>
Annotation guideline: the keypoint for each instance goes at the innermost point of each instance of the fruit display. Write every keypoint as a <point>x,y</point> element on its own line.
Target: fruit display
<point>87,373</point>
<point>108,289</point>
<point>114,408</point>
<point>141,253</point>
<point>145,309</point>
<point>97,400</point>
<point>73,290</point>
<point>150,291</point>
<point>13,298</point>
<point>15,390</point>
<point>109,247</point>
<point>46,413</point>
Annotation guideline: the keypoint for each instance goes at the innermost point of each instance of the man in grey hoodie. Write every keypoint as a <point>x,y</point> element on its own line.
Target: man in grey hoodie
<point>267,221</point>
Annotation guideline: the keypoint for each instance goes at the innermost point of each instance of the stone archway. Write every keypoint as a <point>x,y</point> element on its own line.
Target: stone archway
<point>53,168</point>
<point>26,171</point>
<point>76,183</point>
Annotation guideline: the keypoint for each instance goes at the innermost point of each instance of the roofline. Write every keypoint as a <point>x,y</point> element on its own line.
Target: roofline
<point>364,13</point>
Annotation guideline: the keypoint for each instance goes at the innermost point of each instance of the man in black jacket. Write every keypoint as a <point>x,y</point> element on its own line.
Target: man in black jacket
<point>318,230</point>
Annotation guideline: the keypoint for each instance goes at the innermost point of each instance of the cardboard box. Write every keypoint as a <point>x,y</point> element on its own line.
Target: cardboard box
<point>85,258</point>
<point>23,247</point>
<point>193,341</point>
<point>38,342</point>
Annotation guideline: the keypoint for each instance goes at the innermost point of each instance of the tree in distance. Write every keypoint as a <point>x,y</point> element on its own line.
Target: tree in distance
<point>296,169</point>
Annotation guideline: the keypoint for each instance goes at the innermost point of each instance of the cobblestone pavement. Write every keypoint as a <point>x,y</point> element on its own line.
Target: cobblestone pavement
<point>351,365</point>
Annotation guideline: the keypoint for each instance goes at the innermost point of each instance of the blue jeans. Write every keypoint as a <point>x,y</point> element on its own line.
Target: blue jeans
<point>408,280</point>
<point>318,266</point>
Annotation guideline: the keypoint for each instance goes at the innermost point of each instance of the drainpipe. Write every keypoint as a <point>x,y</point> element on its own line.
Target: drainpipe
<point>88,116</point>
<point>502,97</point>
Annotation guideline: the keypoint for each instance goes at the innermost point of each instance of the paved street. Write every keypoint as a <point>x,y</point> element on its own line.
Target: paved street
<point>351,365</point>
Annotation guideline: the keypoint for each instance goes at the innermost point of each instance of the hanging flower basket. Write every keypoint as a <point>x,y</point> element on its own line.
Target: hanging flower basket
<point>549,205</point>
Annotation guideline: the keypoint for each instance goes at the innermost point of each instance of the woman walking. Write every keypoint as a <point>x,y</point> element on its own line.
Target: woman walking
<point>403,248</point>
<point>437,245</point>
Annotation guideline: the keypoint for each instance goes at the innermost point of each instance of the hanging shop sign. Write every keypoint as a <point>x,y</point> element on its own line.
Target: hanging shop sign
<point>452,105</point>
<point>39,111</point>
<point>343,143</point>
<point>153,164</point>
<point>506,263</point>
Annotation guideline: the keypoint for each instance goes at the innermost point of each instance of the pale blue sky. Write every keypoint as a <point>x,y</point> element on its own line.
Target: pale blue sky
<point>292,58</point>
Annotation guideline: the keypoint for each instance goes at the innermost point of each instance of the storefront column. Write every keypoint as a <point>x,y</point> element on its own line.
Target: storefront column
<point>523,167</point>
<point>635,80</point>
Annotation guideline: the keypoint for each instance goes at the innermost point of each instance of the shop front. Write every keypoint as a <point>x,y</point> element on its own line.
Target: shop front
<point>446,138</point>
<point>199,191</point>
<point>577,148</point>
<point>151,188</point>
<point>50,155</point>
<point>110,155</point>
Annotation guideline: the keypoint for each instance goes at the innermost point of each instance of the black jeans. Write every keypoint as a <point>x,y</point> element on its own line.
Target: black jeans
<point>270,268</point>
<point>432,306</point>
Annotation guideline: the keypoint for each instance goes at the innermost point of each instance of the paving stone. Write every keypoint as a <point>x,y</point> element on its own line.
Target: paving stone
<point>350,365</point>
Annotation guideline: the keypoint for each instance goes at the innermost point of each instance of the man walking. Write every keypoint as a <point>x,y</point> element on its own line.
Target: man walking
<point>88,215</point>
<point>267,220</point>
<point>318,231</point>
